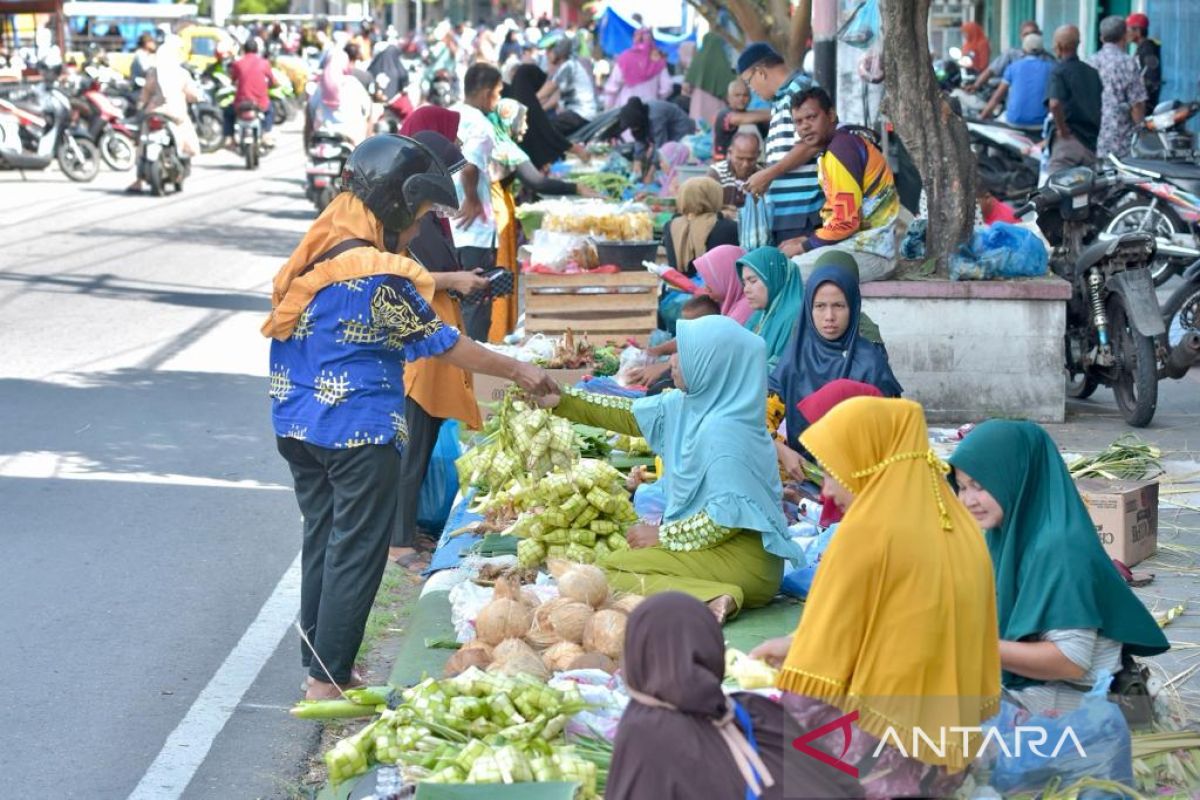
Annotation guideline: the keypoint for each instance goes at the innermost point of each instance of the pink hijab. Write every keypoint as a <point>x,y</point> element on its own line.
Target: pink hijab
<point>718,269</point>
<point>337,66</point>
<point>671,156</point>
<point>638,64</point>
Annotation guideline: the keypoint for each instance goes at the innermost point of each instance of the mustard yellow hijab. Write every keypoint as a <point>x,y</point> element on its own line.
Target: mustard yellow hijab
<point>345,218</point>
<point>901,623</point>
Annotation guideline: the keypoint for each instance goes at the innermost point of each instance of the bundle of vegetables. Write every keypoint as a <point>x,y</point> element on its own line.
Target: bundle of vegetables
<point>581,514</point>
<point>1127,458</point>
<point>593,442</point>
<point>523,441</point>
<point>607,360</point>
<point>1167,760</point>
<point>475,728</point>
<point>611,184</point>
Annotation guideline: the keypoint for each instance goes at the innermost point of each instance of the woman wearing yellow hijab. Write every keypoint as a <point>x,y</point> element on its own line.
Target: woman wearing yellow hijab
<point>899,626</point>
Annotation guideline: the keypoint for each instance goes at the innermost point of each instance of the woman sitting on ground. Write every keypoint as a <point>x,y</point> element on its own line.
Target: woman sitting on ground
<point>900,623</point>
<point>775,293</point>
<point>723,539</point>
<point>829,343</point>
<point>679,716</point>
<point>700,227</point>
<point>1066,616</point>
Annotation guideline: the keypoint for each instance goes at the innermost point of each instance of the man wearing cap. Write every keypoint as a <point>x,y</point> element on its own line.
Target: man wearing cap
<point>1149,57</point>
<point>1124,99</point>
<point>790,178</point>
<point>1073,95</point>
<point>1024,82</point>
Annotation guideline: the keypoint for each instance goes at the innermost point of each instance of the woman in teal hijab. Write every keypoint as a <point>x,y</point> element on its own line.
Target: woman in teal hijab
<point>772,285</point>
<point>723,538</point>
<point>1066,616</point>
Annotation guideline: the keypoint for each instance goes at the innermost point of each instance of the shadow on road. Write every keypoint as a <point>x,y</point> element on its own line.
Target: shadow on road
<point>202,424</point>
<point>261,240</point>
<point>109,286</point>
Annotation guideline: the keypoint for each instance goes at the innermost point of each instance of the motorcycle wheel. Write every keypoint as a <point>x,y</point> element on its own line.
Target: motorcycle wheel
<point>324,198</point>
<point>80,163</point>
<point>251,150</point>
<point>211,132</point>
<point>1181,312</point>
<point>154,177</point>
<point>1081,387</point>
<point>1136,384</point>
<point>1128,217</point>
<point>118,151</point>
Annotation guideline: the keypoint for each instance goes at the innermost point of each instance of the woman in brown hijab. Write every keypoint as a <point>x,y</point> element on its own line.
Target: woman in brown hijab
<point>699,226</point>
<point>682,738</point>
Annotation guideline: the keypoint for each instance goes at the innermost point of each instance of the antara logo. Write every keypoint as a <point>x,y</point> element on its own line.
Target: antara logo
<point>843,723</point>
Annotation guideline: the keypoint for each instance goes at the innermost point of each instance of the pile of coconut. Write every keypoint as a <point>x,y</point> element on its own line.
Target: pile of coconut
<point>582,628</point>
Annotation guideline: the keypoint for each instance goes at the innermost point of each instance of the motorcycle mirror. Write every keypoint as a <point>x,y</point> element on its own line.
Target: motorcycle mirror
<point>966,61</point>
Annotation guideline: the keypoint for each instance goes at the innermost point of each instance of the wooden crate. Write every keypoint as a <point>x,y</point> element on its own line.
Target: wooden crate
<point>618,306</point>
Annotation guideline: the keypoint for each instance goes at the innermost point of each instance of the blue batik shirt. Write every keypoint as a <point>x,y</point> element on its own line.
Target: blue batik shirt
<point>338,380</point>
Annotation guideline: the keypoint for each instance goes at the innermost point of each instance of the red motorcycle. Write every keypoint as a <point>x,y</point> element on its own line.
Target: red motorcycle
<point>113,134</point>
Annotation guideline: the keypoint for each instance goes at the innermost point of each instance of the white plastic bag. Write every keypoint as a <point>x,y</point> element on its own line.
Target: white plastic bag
<point>631,358</point>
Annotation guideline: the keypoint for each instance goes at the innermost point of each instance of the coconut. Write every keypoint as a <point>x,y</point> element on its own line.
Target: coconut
<point>594,661</point>
<point>560,656</point>
<point>521,661</point>
<point>529,597</point>
<point>605,633</point>
<point>465,659</point>
<point>476,644</point>
<point>541,633</point>
<point>503,619</point>
<point>585,583</point>
<point>626,603</point>
<point>569,620</point>
<point>509,648</point>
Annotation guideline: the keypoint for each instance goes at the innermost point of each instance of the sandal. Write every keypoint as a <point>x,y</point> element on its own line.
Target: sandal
<point>425,543</point>
<point>415,562</point>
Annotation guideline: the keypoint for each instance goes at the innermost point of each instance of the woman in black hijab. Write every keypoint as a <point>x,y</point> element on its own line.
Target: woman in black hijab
<point>678,737</point>
<point>543,142</point>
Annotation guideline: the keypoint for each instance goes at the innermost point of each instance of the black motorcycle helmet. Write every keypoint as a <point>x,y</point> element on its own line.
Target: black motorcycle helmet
<point>394,176</point>
<point>948,74</point>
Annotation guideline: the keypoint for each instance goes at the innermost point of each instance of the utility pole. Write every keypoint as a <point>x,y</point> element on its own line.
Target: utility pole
<point>824,28</point>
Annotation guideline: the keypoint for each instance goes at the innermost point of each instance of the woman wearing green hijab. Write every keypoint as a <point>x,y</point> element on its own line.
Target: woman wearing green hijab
<point>723,538</point>
<point>772,286</point>
<point>1066,616</point>
<point>709,75</point>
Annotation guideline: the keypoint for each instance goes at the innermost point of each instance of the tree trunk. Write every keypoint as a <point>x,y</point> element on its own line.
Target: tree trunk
<point>935,136</point>
<point>799,33</point>
<point>758,23</point>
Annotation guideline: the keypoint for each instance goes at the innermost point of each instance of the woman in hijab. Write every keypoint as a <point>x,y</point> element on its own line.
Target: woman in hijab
<point>773,289</point>
<point>828,344</point>
<point>681,737</point>
<point>723,538</point>
<point>700,226</point>
<point>900,623</point>
<point>976,46</point>
<point>1067,619</point>
<point>709,75</point>
<point>167,91</point>
<point>435,390</point>
<point>641,71</point>
<point>671,156</point>
<point>340,105</point>
<point>543,142</point>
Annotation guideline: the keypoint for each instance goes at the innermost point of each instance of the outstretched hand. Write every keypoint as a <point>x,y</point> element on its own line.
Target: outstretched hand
<point>534,380</point>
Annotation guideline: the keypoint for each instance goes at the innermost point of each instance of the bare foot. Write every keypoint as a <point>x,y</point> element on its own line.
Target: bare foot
<point>357,680</point>
<point>722,607</point>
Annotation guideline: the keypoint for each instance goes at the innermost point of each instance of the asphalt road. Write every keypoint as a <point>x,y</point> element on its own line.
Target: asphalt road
<point>146,517</point>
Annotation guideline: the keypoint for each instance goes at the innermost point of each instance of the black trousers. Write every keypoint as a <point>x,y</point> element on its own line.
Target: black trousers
<point>422,436</point>
<point>348,500</point>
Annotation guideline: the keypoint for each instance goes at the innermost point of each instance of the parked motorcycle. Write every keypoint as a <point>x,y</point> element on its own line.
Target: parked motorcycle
<point>327,155</point>
<point>1115,334</point>
<point>1164,200</point>
<point>248,133</point>
<point>1005,157</point>
<point>1181,315</point>
<point>1165,135</point>
<point>161,164</point>
<point>115,135</point>
<point>40,128</point>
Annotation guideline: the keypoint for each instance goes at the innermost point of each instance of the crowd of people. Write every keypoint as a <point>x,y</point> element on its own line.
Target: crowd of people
<point>943,589</point>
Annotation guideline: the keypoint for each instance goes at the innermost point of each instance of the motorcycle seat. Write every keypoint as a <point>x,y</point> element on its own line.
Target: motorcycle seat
<point>1170,169</point>
<point>1105,246</point>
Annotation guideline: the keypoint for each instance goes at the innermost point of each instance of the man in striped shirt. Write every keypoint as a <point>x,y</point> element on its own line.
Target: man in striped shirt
<point>789,180</point>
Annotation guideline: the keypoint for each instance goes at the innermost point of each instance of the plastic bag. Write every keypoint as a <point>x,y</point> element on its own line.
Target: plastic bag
<point>863,29</point>
<point>913,246</point>
<point>797,583</point>
<point>1093,741</point>
<point>1000,251</point>
<point>441,480</point>
<point>649,502</point>
<point>754,223</point>
<point>631,358</point>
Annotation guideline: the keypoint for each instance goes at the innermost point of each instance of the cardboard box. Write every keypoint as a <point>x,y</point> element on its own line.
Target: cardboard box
<point>491,390</point>
<point>1126,516</point>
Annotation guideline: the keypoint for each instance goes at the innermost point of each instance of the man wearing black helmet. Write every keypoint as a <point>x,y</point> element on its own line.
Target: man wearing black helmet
<point>348,309</point>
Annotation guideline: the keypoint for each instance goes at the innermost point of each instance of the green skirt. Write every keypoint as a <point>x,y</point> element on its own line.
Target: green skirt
<point>739,568</point>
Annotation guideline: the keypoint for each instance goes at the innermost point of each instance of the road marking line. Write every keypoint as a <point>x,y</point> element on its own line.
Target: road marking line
<point>188,745</point>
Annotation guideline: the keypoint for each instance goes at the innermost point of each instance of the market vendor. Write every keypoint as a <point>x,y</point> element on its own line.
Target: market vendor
<point>682,737</point>
<point>861,203</point>
<point>543,142</point>
<point>900,624</point>
<point>699,226</point>
<point>723,538</point>
<point>775,293</point>
<point>733,172</point>
<point>347,312</point>
<point>829,342</point>
<point>651,124</point>
<point>1067,619</point>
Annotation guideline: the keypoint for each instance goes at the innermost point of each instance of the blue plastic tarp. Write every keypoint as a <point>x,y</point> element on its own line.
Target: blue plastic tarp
<point>616,36</point>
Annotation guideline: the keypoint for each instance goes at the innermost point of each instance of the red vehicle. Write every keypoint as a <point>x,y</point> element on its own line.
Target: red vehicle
<point>107,126</point>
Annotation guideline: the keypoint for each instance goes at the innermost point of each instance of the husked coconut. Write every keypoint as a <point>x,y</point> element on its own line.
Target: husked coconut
<point>594,661</point>
<point>503,619</point>
<point>605,633</point>
<point>465,659</point>
<point>585,583</point>
<point>558,657</point>
<point>569,620</point>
